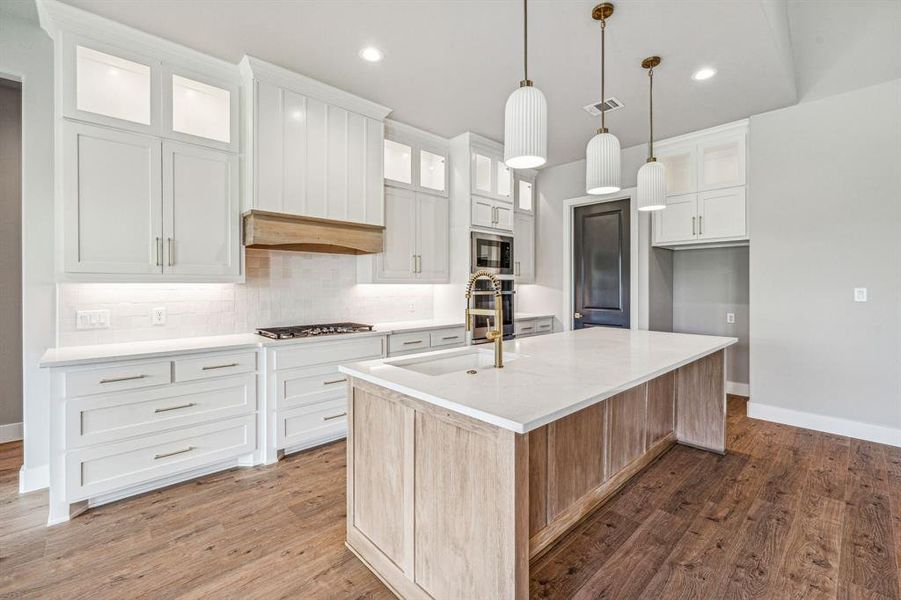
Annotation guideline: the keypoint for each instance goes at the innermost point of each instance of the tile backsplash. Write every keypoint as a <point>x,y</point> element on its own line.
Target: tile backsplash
<point>281,288</point>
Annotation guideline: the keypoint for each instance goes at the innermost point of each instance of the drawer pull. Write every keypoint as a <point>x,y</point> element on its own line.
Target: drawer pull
<point>334,381</point>
<point>412,342</point>
<point>450,337</point>
<point>167,454</point>
<point>526,328</point>
<point>210,368</point>
<point>344,414</point>
<point>118,379</point>
<point>168,408</point>
<point>543,326</point>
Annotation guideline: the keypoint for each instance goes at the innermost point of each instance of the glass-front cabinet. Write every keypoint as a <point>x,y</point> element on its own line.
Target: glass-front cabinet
<point>490,176</point>
<point>200,109</point>
<point>415,160</point>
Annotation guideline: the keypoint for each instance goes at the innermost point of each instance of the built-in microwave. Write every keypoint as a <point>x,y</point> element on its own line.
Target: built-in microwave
<point>492,252</point>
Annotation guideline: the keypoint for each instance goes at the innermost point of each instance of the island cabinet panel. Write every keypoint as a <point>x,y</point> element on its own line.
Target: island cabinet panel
<point>701,403</point>
<point>576,456</point>
<point>628,425</point>
<point>661,407</point>
<point>379,474</point>
<point>537,479</point>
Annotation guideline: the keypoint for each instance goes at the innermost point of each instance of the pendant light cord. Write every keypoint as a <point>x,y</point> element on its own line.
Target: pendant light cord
<point>525,40</point>
<point>603,60</point>
<point>651,115</point>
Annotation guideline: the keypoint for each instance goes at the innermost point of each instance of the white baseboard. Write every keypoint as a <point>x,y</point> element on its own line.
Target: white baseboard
<point>34,479</point>
<point>846,427</point>
<point>738,389</point>
<point>10,433</point>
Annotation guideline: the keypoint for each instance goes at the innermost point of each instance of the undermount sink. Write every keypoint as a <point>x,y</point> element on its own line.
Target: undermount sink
<point>468,359</point>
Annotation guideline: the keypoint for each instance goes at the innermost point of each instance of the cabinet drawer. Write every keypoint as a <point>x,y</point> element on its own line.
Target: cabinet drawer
<point>321,353</point>
<point>525,328</point>
<point>110,467</point>
<point>301,387</point>
<point>117,378</point>
<point>113,417</point>
<point>219,365</point>
<point>544,326</point>
<point>309,425</point>
<point>448,337</point>
<point>406,342</point>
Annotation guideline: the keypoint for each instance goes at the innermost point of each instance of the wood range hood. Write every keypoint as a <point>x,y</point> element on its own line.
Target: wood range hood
<point>280,231</point>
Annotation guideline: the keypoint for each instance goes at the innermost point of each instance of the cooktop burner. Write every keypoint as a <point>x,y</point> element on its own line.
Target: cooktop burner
<point>302,331</point>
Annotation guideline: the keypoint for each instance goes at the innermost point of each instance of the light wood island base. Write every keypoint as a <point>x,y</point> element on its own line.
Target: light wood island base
<point>442,505</point>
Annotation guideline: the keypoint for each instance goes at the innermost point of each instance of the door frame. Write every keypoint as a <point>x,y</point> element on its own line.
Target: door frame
<point>569,206</point>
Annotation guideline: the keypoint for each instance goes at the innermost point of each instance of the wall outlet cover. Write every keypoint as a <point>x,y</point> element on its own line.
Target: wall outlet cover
<point>730,318</point>
<point>158,316</point>
<point>92,319</point>
<point>860,294</point>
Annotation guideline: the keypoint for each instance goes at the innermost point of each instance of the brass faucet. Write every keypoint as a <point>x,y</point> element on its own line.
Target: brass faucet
<point>496,334</point>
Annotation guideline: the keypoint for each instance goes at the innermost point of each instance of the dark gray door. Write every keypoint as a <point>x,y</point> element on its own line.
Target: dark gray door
<point>601,258</point>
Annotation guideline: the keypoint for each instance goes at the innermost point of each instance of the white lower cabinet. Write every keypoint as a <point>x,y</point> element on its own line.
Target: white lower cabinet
<point>403,343</point>
<point>537,326</point>
<point>124,427</point>
<point>524,248</point>
<point>307,395</point>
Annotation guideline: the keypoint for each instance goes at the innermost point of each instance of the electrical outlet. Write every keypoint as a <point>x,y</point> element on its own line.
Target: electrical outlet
<point>92,319</point>
<point>860,294</point>
<point>730,318</point>
<point>158,316</point>
<point>412,307</point>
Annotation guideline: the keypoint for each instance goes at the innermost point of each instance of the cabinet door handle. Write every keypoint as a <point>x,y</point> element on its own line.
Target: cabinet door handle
<point>450,337</point>
<point>168,408</point>
<point>412,342</point>
<point>212,367</point>
<point>159,250</point>
<point>159,456</point>
<point>692,226</point>
<point>118,379</point>
<point>338,416</point>
<point>412,263</point>
<point>701,225</point>
<point>418,263</point>
<point>334,381</point>
<point>171,259</point>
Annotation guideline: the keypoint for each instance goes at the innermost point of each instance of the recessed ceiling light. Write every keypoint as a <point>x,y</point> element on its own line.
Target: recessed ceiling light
<point>703,73</point>
<point>371,54</point>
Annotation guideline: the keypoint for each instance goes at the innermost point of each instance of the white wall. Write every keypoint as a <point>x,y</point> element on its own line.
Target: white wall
<point>26,54</point>
<point>826,218</point>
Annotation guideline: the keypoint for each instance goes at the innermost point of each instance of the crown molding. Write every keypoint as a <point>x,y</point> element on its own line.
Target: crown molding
<point>402,130</point>
<point>740,126</point>
<point>260,70</point>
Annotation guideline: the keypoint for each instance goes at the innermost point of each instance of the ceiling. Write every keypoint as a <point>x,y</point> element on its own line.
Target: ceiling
<point>450,64</point>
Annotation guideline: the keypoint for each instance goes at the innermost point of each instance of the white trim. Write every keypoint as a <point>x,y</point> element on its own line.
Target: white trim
<point>855,429</point>
<point>738,389</point>
<point>254,68</point>
<point>569,206</point>
<point>11,433</point>
<point>740,126</point>
<point>34,479</point>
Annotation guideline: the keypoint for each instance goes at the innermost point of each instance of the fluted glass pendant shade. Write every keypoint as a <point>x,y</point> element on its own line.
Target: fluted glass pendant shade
<point>602,172</point>
<point>525,129</point>
<point>652,186</point>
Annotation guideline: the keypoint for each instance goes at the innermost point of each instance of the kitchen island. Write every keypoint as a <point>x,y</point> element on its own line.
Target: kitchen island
<point>459,473</point>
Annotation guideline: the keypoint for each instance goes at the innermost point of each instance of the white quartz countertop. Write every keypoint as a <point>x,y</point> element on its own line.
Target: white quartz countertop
<point>551,376</point>
<point>423,325</point>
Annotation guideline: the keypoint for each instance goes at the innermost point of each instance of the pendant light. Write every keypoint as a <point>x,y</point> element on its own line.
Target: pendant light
<point>525,116</point>
<point>602,156</point>
<point>652,174</point>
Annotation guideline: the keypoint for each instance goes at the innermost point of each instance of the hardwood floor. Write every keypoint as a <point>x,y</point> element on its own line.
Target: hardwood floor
<point>787,513</point>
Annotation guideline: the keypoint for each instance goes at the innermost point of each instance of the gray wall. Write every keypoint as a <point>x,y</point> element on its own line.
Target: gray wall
<point>825,180</point>
<point>660,282</point>
<point>707,284</point>
<point>10,252</point>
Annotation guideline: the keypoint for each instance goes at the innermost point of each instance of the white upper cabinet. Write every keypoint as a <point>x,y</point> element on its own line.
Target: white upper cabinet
<point>200,109</point>
<point>524,248</point>
<point>112,201</point>
<point>415,159</point>
<point>524,188</point>
<point>433,171</point>
<point>317,151</point>
<point>398,163</point>
<point>707,198</point>
<point>490,176</point>
<point>108,85</point>
<point>201,215</point>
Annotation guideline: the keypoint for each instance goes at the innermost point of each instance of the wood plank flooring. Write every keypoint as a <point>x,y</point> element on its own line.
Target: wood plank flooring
<point>787,513</point>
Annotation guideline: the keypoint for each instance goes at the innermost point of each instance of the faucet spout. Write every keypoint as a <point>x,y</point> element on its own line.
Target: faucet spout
<point>495,334</point>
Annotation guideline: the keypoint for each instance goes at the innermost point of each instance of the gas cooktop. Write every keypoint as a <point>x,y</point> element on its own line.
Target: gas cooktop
<point>302,331</point>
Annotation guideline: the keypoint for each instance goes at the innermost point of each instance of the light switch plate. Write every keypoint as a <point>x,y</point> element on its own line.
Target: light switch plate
<point>158,316</point>
<point>730,318</point>
<point>92,319</point>
<point>860,294</point>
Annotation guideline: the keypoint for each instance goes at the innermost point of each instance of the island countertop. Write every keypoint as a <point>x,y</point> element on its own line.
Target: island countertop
<point>546,377</point>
